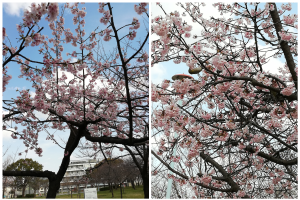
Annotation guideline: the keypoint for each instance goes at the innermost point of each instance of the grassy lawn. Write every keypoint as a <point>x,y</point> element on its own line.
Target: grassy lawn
<point>130,193</point>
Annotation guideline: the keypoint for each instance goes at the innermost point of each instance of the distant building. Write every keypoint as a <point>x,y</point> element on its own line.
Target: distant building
<point>76,171</point>
<point>77,168</point>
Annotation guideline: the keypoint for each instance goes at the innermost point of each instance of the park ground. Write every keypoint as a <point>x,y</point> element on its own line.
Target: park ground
<point>129,193</point>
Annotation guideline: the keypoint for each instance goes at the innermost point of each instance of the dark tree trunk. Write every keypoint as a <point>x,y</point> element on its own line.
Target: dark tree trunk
<point>145,173</point>
<point>112,190</point>
<point>121,189</point>
<point>143,169</point>
<point>132,184</point>
<point>53,188</point>
<point>77,191</point>
<point>23,191</point>
<point>146,186</point>
<point>72,143</point>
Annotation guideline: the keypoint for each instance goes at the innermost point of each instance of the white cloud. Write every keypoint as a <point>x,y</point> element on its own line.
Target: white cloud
<point>6,134</point>
<point>158,73</point>
<point>15,8</point>
<point>14,88</point>
<point>40,115</point>
<point>74,60</point>
<point>4,112</point>
<point>273,63</point>
<point>208,11</point>
<point>32,94</point>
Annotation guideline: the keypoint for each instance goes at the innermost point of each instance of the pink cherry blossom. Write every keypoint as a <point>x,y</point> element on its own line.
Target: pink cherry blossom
<point>206,179</point>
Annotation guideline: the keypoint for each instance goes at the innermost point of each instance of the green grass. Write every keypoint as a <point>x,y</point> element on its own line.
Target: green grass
<point>130,193</point>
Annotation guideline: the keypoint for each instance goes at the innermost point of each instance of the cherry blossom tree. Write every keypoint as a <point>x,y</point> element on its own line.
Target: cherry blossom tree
<point>136,155</point>
<point>140,157</point>
<point>110,171</point>
<point>234,126</point>
<point>101,99</point>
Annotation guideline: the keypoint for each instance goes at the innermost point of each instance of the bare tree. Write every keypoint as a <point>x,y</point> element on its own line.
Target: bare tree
<point>8,159</point>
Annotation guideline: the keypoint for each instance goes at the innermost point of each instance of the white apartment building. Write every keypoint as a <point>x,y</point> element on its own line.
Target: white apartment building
<point>75,171</point>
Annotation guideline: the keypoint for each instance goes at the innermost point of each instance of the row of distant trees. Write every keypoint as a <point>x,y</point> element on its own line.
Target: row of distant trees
<point>35,183</point>
<point>110,171</point>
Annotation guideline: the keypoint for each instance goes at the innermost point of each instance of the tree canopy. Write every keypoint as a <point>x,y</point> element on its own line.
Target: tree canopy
<point>24,165</point>
<point>100,97</point>
<point>231,129</point>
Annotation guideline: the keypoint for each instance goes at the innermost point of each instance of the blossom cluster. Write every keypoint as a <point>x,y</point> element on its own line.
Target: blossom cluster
<point>3,33</point>
<point>106,34</point>
<point>35,40</point>
<point>290,19</point>
<point>105,19</point>
<point>141,8</point>
<point>285,36</point>
<point>143,58</point>
<point>131,35</point>
<point>135,23</point>
<point>37,11</point>
<point>5,78</point>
